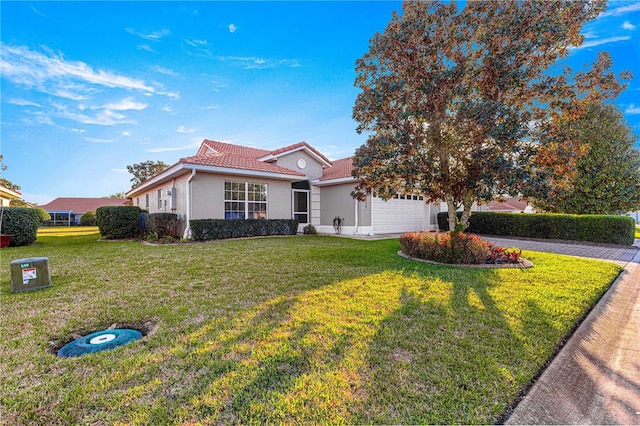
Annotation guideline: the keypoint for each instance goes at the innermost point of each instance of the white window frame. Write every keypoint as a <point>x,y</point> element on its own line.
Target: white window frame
<point>238,192</point>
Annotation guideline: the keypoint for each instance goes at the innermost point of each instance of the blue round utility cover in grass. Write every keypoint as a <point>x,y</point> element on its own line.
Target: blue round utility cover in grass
<point>99,341</point>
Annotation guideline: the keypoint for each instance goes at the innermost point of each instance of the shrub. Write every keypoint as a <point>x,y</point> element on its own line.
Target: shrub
<point>117,222</point>
<point>43,214</point>
<point>20,222</point>
<point>164,224</point>
<point>454,248</point>
<point>593,228</point>
<point>309,230</point>
<point>217,229</point>
<point>88,219</point>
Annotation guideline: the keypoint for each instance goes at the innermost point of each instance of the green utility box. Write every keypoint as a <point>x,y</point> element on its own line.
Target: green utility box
<point>30,274</point>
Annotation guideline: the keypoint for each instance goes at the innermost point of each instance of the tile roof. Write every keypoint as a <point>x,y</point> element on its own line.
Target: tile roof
<point>509,204</point>
<point>82,205</point>
<point>340,169</point>
<point>228,148</point>
<point>300,145</point>
<point>234,161</point>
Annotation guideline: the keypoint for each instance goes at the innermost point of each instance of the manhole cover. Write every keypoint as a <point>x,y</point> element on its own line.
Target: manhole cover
<point>99,341</point>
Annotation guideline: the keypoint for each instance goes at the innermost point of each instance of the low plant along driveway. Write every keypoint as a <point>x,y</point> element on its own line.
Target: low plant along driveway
<point>289,329</point>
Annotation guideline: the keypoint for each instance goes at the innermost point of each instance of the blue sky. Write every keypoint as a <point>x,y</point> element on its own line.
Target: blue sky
<point>88,88</point>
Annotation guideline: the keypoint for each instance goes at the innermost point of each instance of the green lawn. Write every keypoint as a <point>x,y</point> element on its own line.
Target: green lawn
<point>286,330</point>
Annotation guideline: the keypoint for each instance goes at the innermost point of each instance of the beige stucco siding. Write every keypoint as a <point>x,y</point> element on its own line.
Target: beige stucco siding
<point>337,201</point>
<point>313,169</point>
<point>208,196</point>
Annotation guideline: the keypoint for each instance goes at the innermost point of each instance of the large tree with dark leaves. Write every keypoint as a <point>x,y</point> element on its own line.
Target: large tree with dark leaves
<point>145,170</point>
<point>452,100</point>
<point>607,175</point>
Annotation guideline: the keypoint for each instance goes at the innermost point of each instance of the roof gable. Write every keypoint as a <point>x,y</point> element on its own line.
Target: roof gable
<point>273,155</point>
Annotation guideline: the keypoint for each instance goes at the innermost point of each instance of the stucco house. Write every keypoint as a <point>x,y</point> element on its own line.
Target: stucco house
<point>230,181</point>
<point>6,195</point>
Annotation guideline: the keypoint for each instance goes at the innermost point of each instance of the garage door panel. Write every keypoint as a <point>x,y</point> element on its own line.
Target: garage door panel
<point>397,215</point>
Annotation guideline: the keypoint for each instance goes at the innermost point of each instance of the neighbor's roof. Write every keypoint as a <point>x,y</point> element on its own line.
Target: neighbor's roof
<point>341,169</point>
<point>507,205</point>
<point>82,205</point>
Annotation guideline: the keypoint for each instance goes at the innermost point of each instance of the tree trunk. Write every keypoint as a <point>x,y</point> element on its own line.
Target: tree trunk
<point>452,215</point>
<point>466,214</point>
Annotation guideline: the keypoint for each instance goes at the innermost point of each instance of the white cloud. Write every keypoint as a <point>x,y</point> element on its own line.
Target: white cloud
<point>232,28</point>
<point>126,133</point>
<point>632,109</point>
<point>34,69</point>
<point>146,47</point>
<point>210,107</point>
<point>167,108</point>
<point>196,47</point>
<point>124,105</point>
<point>23,102</point>
<point>120,170</point>
<point>253,62</point>
<point>601,41</point>
<point>97,140</point>
<point>182,129</point>
<point>165,71</point>
<point>102,118</point>
<point>634,7</point>
<point>152,35</point>
<point>628,26</point>
<point>37,11</point>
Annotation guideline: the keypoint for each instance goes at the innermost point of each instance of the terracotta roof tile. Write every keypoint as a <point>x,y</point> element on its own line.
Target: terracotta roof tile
<point>228,148</point>
<point>299,145</point>
<point>233,161</point>
<point>82,205</point>
<point>341,169</point>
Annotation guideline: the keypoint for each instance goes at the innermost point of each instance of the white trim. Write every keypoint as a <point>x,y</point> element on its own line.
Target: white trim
<point>345,230</point>
<point>187,229</point>
<point>183,167</point>
<point>336,181</point>
<point>271,157</point>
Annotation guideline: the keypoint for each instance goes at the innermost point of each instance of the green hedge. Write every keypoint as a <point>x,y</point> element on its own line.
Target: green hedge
<point>22,223</point>
<point>117,222</point>
<point>164,224</point>
<point>593,228</point>
<point>217,229</point>
<point>88,219</point>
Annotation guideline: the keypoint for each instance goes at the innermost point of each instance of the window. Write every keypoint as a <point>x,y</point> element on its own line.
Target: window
<point>146,201</point>
<point>245,200</point>
<point>159,199</point>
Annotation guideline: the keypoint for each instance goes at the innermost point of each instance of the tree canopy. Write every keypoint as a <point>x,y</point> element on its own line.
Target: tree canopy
<point>145,170</point>
<point>454,101</point>
<point>5,182</point>
<point>607,176</point>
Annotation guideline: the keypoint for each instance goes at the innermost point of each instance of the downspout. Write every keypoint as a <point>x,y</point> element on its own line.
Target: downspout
<point>356,208</point>
<point>187,229</point>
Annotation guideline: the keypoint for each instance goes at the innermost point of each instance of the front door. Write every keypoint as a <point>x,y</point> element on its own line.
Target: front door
<point>300,205</point>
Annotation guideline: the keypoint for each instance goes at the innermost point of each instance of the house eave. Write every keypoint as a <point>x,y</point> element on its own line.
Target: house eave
<point>337,181</point>
<point>271,157</point>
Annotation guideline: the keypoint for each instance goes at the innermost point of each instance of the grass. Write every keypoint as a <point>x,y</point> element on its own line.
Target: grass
<point>65,231</point>
<point>282,330</point>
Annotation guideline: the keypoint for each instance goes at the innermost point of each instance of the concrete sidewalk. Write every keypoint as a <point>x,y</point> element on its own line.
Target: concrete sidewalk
<point>595,379</point>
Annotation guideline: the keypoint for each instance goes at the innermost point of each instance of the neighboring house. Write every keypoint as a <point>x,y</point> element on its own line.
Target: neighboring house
<point>67,211</point>
<point>510,205</point>
<point>6,195</point>
<point>635,216</point>
<point>237,182</point>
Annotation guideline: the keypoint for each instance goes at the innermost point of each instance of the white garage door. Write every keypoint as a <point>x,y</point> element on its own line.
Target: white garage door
<point>400,214</point>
